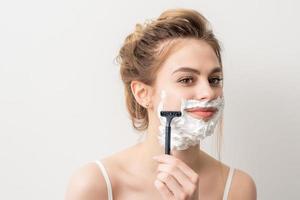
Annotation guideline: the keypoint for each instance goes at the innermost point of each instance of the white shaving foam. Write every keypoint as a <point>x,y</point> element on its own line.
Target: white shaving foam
<point>186,130</point>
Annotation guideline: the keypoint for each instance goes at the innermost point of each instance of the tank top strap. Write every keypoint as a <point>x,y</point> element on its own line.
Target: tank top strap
<point>228,183</point>
<point>106,178</point>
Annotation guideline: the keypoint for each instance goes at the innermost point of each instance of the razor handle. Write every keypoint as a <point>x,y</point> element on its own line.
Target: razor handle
<point>168,140</point>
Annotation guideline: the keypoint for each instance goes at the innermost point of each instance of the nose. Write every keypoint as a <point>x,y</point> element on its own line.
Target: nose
<point>204,91</point>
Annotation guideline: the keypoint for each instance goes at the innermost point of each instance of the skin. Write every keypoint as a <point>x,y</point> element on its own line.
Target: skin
<point>143,171</point>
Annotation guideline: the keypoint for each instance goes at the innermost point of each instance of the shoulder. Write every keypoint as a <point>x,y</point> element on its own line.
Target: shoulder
<point>242,186</point>
<point>87,182</point>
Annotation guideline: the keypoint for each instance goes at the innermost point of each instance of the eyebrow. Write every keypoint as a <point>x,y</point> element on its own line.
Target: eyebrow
<point>189,69</point>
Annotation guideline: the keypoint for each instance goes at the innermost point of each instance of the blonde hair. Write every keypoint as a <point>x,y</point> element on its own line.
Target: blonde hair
<point>141,54</point>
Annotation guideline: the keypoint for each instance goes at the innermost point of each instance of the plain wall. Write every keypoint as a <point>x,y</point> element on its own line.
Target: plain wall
<point>61,97</point>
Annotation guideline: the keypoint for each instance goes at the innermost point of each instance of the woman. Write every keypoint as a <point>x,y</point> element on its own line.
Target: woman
<point>172,63</point>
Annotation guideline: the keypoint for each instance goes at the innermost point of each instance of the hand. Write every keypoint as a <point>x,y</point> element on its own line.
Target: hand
<point>175,179</point>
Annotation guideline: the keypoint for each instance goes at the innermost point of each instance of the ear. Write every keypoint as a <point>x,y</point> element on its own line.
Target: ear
<point>142,93</point>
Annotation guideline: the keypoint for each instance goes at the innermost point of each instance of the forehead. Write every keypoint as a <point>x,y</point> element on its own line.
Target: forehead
<point>191,53</point>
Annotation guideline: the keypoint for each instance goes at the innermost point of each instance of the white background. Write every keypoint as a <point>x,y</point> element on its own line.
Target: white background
<point>61,98</point>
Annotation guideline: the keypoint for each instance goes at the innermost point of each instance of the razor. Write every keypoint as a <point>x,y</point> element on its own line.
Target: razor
<point>169,116</point>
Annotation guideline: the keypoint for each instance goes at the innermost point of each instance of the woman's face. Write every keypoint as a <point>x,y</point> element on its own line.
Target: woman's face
<point>192,71</point>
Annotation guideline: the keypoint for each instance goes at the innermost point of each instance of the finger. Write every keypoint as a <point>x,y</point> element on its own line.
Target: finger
<point>183,180</point>
<point>172,184</point>
<point>163,190</point>
<point>180,164</point>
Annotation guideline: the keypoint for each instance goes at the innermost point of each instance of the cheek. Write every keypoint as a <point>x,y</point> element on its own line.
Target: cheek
<point>219,92</point>
<point>171,101</point>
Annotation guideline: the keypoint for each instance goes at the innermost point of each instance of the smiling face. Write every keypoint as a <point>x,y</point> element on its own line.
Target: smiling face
<point>191,72</point>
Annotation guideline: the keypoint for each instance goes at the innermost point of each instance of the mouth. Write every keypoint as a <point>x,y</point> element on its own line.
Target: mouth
<point>203,113</point>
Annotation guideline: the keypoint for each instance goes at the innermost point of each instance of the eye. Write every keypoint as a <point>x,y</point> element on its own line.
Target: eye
<point>216,81</point>
<point>186,80</point>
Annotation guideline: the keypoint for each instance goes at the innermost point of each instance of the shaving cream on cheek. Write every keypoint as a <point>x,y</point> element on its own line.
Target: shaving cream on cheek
<point>186,130</point>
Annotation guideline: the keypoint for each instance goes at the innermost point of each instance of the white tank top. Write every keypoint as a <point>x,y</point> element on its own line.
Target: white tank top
<point>109,187</point>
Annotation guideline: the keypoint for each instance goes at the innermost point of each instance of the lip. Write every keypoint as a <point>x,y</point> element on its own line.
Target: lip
<point>202,112</point>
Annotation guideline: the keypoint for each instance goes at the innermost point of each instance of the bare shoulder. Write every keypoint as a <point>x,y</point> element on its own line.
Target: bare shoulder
<point>87,182</point>
<point>242,186</point>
